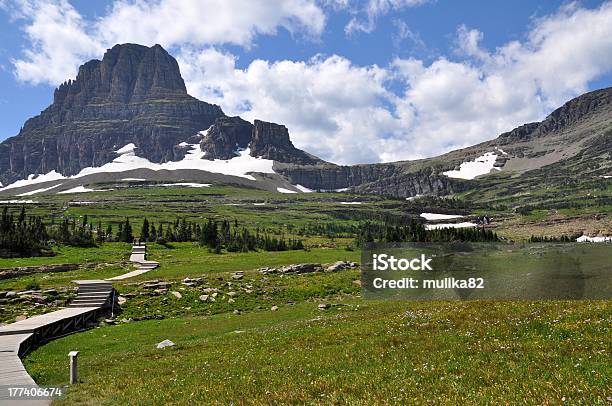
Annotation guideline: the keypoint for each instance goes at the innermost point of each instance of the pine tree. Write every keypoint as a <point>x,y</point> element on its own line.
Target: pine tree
<point>126,232</point>
<point>145,230</point>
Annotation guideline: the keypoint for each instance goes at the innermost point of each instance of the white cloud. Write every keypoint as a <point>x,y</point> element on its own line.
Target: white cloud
<point>348,114</point>
<point>403,32</point>
<point>376,8</point>
<point>321,99</point>
<point>207,21</point>
<point>60,39</point>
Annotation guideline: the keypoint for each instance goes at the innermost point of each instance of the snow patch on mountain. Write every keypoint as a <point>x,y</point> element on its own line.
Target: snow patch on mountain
<point>283,190</point>
<point>187,184</point>
<point>78,189</point>
<point>414,197</point>
<point>18,202</point>
<point>436,216</point>
<point>126,149</point>
<point>33,192</point>
<point>303,189</point>
<point>585,238</point>
<point>127,160</point>
<point>465,224</point>
<point>471,169</point>
<point>501,150</point>
<point>34,179</point>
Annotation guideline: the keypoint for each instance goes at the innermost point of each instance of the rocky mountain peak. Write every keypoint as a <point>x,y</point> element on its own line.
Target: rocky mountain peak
<point>271,141</point>
<point>126,73</point>
<point>135,94</point>
<point>575,110</point>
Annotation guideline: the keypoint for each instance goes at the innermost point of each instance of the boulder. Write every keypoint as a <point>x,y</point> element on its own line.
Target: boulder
<point>164,344</point>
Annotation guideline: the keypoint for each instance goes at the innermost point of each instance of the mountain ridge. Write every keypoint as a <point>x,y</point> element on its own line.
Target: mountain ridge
<point>136,94</point>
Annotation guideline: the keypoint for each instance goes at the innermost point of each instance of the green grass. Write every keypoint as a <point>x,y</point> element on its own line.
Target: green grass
<point>255,291</point>
<point>364,353</point>
<point>109,252</point>
<point>188,259</point>
<point>180,261</point>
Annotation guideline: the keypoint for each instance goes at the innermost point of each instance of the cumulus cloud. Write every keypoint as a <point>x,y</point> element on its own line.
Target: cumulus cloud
<point>331,107</point>
<point>208,21</point>
<point>350,114</point>
<point>459,103</point>
<point>60,39</point>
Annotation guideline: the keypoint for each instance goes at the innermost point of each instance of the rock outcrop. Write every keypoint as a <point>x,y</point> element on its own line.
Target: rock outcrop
<point>570,113</point>
<point>271,141</point>
<point>225,137</point>
<point>392,179</point>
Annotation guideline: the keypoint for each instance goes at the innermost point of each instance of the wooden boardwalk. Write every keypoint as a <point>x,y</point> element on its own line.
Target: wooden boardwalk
<point>139,256</point>
<point>94,298</point>
<point>17,339</point>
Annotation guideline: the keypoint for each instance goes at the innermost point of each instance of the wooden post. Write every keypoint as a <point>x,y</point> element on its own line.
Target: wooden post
<point>74,376</point>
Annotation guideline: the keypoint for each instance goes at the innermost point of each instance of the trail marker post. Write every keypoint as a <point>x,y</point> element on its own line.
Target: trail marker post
<point>74,375</point>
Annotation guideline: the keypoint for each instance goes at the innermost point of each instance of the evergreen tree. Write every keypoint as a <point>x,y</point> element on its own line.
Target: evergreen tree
<point>145,230</point>
<point>126,232</point>
<point>109,232</point>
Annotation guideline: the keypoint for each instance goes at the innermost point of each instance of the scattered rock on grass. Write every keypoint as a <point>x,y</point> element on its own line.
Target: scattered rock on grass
<point>165,343</point>
<point>340,266</point>
<point>177,294</point>
<point>308,268</point>
<point>191,282</point>
<point>274,308</point>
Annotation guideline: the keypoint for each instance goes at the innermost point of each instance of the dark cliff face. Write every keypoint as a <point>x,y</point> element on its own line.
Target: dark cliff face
<point>271,141</point>
<point>390,179</point>
<point>134,94</point>
<point>225,137</point>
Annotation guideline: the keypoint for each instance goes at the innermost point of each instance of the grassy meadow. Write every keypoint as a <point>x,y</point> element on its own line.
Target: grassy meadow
<point>264,339</point>
<point>358,353</point>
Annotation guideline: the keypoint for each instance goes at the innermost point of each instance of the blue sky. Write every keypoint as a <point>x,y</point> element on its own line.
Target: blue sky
<point>354,81</point>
